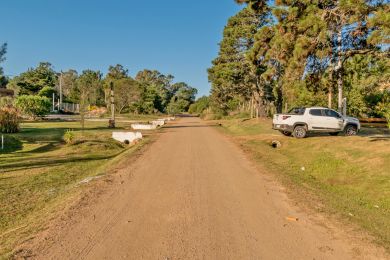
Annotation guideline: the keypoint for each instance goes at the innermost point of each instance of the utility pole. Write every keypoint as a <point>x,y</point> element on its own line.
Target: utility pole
<point>111,122</point>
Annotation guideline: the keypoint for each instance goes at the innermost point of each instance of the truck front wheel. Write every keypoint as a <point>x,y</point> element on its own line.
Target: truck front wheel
<point>300,131</point>
<point>350,130</point>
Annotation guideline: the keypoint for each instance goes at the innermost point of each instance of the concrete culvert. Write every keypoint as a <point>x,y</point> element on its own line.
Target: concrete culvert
<point>276,144</point>
<point>127,142</point>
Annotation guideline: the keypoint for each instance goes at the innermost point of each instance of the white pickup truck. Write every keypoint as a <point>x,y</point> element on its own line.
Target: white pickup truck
<point>299,121</point>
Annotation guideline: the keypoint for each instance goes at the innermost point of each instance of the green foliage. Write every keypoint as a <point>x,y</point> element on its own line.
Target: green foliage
<point>387,116</point>
<point>183,97</point>
<point>363,80</point>
<point>128,94</point>
<point>69,137</point>
<point>157,90</point>
<point>33,106</point>
<point>300,52</point>
<point>35,79</point>
<point>47,92</point>
<point>9,119</point>
<point>69,86</point>
<point>150,92</point>
<point>200,105</point>
<point>89,85</point>
<point>6,101</point>
<point>231,74</point>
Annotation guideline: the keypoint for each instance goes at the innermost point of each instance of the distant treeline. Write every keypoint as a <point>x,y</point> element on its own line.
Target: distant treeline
<point>149,92</point>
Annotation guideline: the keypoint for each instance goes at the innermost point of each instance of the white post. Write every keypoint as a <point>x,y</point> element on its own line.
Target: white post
<point>54,103</point>
<point>2,142</point>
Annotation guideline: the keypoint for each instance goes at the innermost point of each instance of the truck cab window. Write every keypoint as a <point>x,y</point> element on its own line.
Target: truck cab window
<point>316,112</point>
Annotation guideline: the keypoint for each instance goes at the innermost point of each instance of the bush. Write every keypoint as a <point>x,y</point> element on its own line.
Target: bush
<point>9,119</point>
<point>33,106</point>
<point>199,106</point>
<point>69,137</point>
<point>6,101</point>
<point>387,116</point>
<point>211,116</point>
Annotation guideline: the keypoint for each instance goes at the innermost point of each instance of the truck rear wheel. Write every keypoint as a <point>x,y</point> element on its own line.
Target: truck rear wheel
<point>300,131</point>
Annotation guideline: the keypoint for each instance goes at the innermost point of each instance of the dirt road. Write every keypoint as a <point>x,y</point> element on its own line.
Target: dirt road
<point>194,195</point>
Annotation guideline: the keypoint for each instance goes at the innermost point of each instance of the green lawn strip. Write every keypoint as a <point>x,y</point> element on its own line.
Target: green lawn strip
<point>351,175</point>
<point>33,183</point>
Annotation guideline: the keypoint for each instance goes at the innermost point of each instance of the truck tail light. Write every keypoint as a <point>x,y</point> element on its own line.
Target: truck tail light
<point>285,117</point>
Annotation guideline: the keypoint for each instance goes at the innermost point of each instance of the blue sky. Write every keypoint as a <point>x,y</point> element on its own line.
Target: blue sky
<point>173,36</point>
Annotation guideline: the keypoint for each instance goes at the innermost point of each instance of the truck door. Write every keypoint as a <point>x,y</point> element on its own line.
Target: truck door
<point>316,119</point>
<point>334,120</point>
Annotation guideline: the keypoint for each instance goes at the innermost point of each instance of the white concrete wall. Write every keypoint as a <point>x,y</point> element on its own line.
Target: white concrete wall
<point>129,136</point>
<point>168,119</point>
<point>143,127</point>
<point>158,122</point>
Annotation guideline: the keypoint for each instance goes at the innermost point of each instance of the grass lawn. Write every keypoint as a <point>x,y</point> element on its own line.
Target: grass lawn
<point>350,175</point>
<point>38,171</point>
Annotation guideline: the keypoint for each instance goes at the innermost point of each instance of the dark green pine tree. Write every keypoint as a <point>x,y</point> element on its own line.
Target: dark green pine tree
<point>232,75</point>
<point>3,79</point>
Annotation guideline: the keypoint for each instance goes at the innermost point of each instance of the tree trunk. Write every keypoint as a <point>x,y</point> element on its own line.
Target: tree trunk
<point>252,105</point>
<point>279,99</point>
<point>339,71</point>
<point>82,115</point>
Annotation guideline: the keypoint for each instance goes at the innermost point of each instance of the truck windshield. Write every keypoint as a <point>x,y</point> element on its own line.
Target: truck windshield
<point>297,111</point>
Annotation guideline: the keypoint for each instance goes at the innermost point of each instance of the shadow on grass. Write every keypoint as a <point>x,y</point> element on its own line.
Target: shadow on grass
<point>47,162</point>
<point>380,138</point>
<point>11,144</point>
<point>48,147</point>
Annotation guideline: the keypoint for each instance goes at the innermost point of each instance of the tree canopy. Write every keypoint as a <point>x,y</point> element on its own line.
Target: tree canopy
<point>302,53</point>
<point>35,79</point>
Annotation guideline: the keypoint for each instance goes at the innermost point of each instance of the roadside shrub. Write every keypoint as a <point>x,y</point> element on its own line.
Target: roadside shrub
<point>69,137</point>
<point>9,119</point>
<point>33,106</point>
<point>383,107</point>
<point>199,106</point>
<point>94,111</point>
<point>387,116</point>
<point>211,116</point>
<point>6,101</point>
